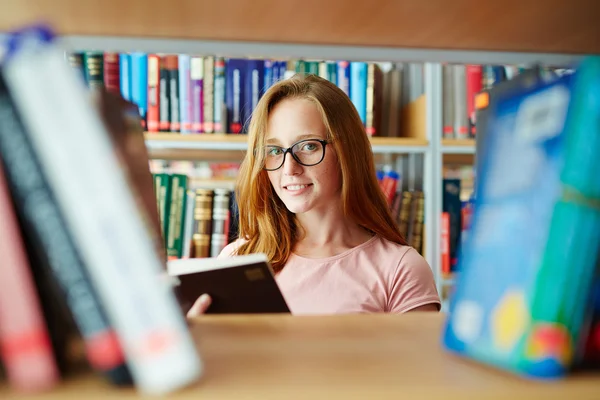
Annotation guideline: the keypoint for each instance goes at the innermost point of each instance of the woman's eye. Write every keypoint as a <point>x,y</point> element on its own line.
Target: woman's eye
<point>273,151</point>
<point>309,147</point>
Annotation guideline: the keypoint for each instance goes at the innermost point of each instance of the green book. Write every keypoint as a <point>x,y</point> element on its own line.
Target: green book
<point>161,188</point>
<point>175,224</point>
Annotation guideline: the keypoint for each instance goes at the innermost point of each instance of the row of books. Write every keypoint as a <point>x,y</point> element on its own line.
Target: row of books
<point>195,222</point>
<point>80,247</point>
<point>210,94</point>
<point>461,85</point>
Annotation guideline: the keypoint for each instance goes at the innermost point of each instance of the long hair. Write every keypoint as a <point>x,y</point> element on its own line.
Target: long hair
<point>264,221</point>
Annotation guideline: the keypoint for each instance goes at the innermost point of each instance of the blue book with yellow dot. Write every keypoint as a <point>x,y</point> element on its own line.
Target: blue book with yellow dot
<point>527,269</point>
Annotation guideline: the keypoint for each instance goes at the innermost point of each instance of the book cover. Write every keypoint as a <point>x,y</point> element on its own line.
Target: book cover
<point>56,262</point>
<point>527,267</point>
<point>83,168</point>
<point>25,347</point>
<point>237,285</point>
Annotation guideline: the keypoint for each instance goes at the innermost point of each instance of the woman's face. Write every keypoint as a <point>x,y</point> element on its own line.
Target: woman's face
<point>302,188</point>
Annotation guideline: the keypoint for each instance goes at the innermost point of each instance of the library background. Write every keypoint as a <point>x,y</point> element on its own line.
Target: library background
<point>423,88</point>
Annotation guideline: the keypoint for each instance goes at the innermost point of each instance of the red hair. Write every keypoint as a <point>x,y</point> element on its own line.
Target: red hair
<point>265,224</point>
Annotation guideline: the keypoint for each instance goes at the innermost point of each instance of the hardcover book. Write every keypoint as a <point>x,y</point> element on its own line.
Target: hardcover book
<point>237,285</point>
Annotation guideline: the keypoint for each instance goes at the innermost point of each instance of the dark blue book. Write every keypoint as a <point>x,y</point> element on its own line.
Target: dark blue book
<point>235,84</point>
<point>255,87</point>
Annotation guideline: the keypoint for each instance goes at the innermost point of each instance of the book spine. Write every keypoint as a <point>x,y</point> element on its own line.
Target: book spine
<point>188,224</point>
<point>405,213</point>
<point>139,84</point>
<point>111,72</point>
<point>395,101</point>
<point>474,81</point>
<point>255,73</point>
<point>162,187</point>
<point>275,78</point>
<point>82,168</point>
<point>202,223</point>
<point>164,90</point>
<point>282,70</point>
<point>452,205</point>
<point>461,128</point>
<point>125,76</point>
<point>300,67</point>
<point>370,100</point>
<point>445,243</point>
<point>220,108</point>
<point>45,225</point>
<point>94,70</point>
<point>268,80</point>
<point>75,60</point>
<point>235,94</point>
<point>418,221</point>
<point>323,70</point>
<point>220,222</point>
<point>343,76</point>
<point>178,187</point>
<point>153,118</point>
<point>184,93</point>
<point>197,88</point>
<point>332,72</point>
<point>208,100</point>
<point>312,68</point>
<point>25,346</point>
<point>448,101</point>
<point>174,95</point>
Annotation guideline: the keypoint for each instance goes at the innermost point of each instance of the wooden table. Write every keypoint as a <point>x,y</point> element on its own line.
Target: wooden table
<point>346,357</point>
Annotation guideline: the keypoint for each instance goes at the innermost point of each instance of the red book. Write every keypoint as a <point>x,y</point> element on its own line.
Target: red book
<point>25,344</point>
<point>474,86</point>
<point>153,114</point>
<point>445,243</point>
<point>112,78</point>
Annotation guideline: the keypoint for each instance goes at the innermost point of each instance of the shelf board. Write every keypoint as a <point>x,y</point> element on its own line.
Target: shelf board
<point>557,27</point>
<point>236,142</point>
<point>382,356</point>
<point>458,146</point>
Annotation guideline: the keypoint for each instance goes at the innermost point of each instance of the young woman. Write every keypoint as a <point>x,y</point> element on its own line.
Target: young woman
<point>309,199</point>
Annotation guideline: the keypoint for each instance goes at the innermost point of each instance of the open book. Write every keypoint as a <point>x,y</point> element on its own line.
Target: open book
<point>237,285</point>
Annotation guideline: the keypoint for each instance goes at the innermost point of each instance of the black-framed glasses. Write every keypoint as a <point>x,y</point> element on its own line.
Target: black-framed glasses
<point>306,152</point>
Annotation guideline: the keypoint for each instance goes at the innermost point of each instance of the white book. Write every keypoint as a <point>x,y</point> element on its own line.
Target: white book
<point>75,150</point>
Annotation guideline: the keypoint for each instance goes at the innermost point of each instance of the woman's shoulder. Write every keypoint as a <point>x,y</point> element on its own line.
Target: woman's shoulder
<point>389,248</point>
<point>231,249</point>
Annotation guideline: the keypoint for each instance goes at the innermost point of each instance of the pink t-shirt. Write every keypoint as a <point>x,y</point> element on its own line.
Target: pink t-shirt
<point>376,276</point>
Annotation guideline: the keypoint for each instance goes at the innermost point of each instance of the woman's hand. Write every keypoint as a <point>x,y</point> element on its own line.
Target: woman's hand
<point>200,306</point>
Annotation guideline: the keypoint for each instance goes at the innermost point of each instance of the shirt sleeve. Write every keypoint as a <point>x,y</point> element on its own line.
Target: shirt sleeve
<point>413,284</point>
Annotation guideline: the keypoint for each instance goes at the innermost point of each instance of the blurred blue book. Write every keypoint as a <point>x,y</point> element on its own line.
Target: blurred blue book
<point>527,267</point>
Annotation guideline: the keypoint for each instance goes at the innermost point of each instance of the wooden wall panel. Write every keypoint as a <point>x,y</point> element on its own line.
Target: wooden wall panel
<point>555,26</point>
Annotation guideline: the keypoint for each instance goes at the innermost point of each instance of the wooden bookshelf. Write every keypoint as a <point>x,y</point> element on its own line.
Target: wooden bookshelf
<point>458,146</point>
<point>335,357</point>
<point>513,25</point>
<point>231,147</point>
